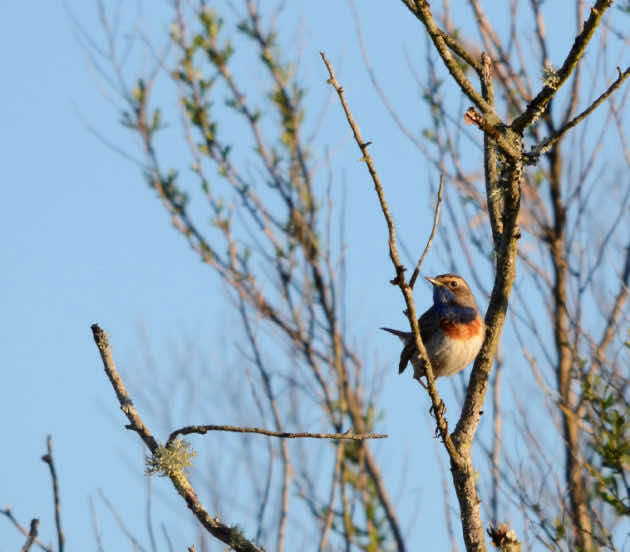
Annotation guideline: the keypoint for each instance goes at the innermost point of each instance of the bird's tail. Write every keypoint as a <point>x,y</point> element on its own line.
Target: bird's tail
<point>403,336</point>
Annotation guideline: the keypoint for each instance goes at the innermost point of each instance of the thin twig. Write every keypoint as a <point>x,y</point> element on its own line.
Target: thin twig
<point>96,528</point>
<point>167,538</point>
<point>460,50</point>
<point>436,219</point>
<point>118,518</point>
<point>149,517</point>
<point>32,535</point>
<point>48,458</point>
<point>333,491</point>
<point>286,461</point>
<point>203,429</point>
<point>490,158</point>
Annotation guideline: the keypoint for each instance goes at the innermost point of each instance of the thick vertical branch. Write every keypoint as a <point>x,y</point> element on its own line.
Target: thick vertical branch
<point>467,425</point>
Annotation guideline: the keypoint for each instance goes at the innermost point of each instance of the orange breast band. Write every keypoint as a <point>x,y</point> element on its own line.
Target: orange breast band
<point>462,330</point>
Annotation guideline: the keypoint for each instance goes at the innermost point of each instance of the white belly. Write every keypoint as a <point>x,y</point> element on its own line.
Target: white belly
<point>449,356</point>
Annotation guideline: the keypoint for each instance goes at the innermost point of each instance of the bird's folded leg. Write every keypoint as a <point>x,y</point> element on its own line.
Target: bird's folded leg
<point>440,411</point>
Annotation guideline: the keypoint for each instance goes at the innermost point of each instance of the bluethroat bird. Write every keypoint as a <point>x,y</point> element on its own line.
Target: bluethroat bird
<point>452,329</point>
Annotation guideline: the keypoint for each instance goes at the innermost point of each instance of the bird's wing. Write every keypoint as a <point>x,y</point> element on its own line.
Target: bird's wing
<point>406,355</point>
<point>429,324</point>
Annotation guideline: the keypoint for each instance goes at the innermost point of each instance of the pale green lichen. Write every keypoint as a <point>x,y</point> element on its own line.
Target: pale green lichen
<point>550,76</point>
<point>170,461</point>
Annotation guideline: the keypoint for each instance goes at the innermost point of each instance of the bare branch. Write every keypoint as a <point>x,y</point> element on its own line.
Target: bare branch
<point>203,429</point>
<point>333,490</point>
<point>126,405</point>
<point>120,521</point>
<point>32,535</point>
<point>436,219</point>
<point>461,51</point>
<point>95,528</point>
<point>48,458</point>
<point>490,158</point>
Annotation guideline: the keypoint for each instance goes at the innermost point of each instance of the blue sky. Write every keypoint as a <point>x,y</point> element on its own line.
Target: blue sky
<point>83,240</point>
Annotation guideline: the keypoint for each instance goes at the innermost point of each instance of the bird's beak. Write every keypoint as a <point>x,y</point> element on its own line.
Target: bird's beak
<point>433,281</point>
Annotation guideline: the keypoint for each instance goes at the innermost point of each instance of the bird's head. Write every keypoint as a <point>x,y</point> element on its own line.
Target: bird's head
<point>451,289</point>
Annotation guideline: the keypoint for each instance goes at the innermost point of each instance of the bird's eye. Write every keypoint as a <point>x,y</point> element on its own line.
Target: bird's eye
<point>453,283</point>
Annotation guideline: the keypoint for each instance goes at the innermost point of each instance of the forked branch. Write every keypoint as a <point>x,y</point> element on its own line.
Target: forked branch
<point>229,535</point>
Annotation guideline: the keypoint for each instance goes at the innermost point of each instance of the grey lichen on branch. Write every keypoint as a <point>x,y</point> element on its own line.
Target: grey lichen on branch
<point>170,460</point>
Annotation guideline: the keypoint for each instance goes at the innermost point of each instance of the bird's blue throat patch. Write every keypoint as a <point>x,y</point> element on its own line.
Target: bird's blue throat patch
<point>455,313</point>
<point>445,305</point>
<point>443,296</point>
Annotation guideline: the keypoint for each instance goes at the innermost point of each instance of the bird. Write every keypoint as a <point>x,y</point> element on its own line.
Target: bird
<point>452,329</point>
